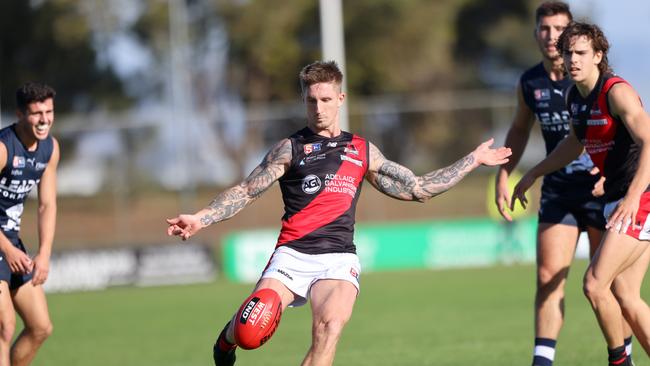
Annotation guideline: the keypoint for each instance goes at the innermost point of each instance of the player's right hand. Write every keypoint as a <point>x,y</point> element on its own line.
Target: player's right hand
<point>599,187</point>
<point>502,198</point>
<point>519,193</point>
<point>18,261</point>
<point>184,226</point>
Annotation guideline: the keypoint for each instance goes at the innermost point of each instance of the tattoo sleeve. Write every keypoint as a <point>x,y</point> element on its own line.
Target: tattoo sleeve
<point>228,203</point>
<point>400,182</point>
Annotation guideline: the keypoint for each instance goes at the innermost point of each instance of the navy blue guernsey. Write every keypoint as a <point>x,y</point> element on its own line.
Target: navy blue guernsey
<point>22,171</point>
<point>320,192</point>
<point>546,98</point>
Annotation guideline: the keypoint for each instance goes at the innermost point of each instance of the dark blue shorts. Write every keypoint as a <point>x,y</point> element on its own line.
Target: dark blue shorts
<point>14,280</point>
<point>580,213</point>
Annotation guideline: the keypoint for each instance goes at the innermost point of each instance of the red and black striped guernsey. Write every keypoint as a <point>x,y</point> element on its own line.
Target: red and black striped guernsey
<point>604,136</point>
<point>320,192</point>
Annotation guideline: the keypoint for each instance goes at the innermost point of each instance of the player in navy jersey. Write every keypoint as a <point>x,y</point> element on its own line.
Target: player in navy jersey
<point>567,205</point>
<point>28,158</point>
<point>320,170</point>
<point>608,120</point>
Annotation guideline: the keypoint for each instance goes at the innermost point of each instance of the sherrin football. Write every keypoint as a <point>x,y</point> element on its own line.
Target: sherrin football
<point>257,318</point>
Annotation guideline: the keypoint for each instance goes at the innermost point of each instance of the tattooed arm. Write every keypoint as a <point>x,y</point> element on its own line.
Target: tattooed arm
<point>399,182</point>
<point>228,203</point>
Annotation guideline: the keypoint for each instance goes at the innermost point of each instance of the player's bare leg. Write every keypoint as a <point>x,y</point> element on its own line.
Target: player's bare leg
<point>595,237</point>
<point>627,289</point>
<point>7,323</point>
<point>555,251</point>
<point>616,253</point>
<point>31,305</point>
<point>332,302</point>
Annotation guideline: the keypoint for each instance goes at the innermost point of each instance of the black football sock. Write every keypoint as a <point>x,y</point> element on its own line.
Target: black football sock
<point>617,356</point>
<point>222,343</point>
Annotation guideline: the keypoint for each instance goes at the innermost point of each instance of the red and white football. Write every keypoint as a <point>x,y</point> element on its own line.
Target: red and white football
<point>257,318</point>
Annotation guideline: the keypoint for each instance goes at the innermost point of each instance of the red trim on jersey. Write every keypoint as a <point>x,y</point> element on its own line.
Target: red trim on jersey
<point>602,133</point>
<point>328,205</point>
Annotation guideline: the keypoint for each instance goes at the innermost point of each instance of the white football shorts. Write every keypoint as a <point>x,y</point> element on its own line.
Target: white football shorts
<point>299,271</point>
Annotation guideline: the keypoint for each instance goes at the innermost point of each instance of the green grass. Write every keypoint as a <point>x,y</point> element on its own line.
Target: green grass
<point>477,316</point>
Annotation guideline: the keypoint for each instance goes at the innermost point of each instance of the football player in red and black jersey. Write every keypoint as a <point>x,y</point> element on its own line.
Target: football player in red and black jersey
<point>608,120</point>
<point>320,170</point>
<point>568,205</point>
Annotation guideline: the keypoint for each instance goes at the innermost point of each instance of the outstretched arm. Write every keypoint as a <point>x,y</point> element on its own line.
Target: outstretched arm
<point>565,152</point>
<point>228,203</point>
<point>399,182</point>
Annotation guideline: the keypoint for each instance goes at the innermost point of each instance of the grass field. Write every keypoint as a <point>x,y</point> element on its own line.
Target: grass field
<point>480,316</point>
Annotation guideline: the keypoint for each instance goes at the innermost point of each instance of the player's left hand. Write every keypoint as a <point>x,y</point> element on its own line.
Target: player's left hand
<point>41,270</point>
<point>623,216</point>
<point>484,155</point>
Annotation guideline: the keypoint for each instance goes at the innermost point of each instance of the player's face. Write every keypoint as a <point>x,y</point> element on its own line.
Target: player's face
<point>548,31</point>
<point>580,60</point>
<point>323,101</point>
<point>37,119</point>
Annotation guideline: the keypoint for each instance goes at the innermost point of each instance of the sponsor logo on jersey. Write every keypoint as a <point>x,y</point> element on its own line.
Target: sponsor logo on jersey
<point>309,159</point>
<point>311,184</point>
<point>341,184</point>
<point>597,146</point>
<point>597,122</point>
<point>542,105</point>
<point>558,91</point>
<point>17,185</point>
<point>16,172</point>
<point>542,94</point>
<point>351,149</point>
<point>574,108</point>
<point>40,166</point>
<point>595,110</point>
<point>354,273</point>
<point>19,162</point>
<point>332,144</point>
<point>31,161</point>
<point>309,148</point>
<point>352,160</point>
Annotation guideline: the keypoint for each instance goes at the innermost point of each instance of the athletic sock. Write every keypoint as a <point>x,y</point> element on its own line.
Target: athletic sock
<point>617,356</point>
<point>222,343</point>
<point>628,346</point>
<point>544,352</point>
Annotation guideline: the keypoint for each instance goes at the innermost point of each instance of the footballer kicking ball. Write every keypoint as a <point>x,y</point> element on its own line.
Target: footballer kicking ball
<point>257,318</point>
